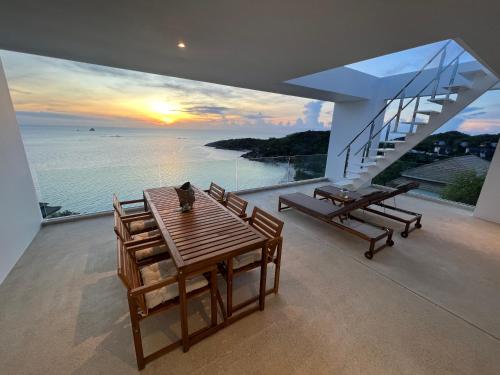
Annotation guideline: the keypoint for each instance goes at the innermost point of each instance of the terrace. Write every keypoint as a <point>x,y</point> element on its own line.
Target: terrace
<point>426,305</point>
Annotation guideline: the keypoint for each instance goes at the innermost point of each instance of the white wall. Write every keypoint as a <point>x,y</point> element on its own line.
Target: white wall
<point>488,205</point>
<point>20,216</point>
<point>348,119</point>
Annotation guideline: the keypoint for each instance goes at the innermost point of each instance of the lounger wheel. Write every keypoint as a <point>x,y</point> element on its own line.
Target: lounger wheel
<point>418,225</point>
<point>404,234</point>
<point>369,254</point>
<point>390,243</point>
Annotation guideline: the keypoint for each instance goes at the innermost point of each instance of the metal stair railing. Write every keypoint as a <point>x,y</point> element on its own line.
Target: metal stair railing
<point>455,63</point>
<point>400,95</point>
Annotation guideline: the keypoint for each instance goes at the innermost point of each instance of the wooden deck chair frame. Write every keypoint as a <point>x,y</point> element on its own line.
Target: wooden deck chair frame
<point>345,213</point>
<point>129,218</point>
<point>122,232</point>
<point>415,217</point>
<point>129,273</point>
<point>270,227</point>
<point>236,205</point>
<point>216,192</point>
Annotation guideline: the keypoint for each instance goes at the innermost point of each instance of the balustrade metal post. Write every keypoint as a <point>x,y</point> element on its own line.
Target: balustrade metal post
<point>346,164</point>
<point>236,175</point>
<point>400,109</point>
<point>288,171</point>
<point>414,117</point>
<point>438,75</point>
<point>452,77</point>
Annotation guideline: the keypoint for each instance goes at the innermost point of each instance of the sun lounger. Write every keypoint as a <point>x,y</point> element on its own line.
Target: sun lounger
<point>389,211</point>
<point>342,218</point>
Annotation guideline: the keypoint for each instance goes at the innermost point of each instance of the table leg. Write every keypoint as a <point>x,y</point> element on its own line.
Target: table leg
<point>213,296</point>
<point>263,274</point>
<point>229,275</point>
<point>183,311</point>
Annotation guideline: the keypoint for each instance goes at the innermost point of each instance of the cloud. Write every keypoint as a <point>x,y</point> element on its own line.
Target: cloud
<point>207,109</point>
<point>257,116</point>
<point>480,126</point>
<point>312,112</point>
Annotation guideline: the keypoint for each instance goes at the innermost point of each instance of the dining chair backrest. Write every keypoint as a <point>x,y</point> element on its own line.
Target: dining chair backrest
<point>216,192</point>
<point>236,205</point>
<point>121,229</point>
<point>266,224</point>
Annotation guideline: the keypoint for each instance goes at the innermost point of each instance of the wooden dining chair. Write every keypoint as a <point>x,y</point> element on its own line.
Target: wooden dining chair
<point>236,205</point>
<point>155,251</point>
<point>216,192</point>
<point>270,227</point>
<point>136,222</point>
<point>154,288</point>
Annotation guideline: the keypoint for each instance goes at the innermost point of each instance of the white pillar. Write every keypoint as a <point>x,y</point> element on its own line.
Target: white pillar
<point>20,214</point>
<point>488,204</point>
<point>349,118</point>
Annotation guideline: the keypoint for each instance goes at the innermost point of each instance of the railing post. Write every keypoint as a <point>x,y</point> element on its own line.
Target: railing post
<point>387,132</point>
<point>414,117</point>
<point>438,75</point>
<point>288,171</point>
<point>236,175</point>
<point>346,164</point>
<point>400,109</point>
<point>452,77</point>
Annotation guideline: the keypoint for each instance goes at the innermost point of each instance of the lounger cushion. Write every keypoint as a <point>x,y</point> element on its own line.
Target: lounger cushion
<point>158,271</point>
<point>310,204</point>
<point>150,251</point>
<point>142,225</point>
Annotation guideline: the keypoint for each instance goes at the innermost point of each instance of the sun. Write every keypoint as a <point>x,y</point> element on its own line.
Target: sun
<point>164,112</point>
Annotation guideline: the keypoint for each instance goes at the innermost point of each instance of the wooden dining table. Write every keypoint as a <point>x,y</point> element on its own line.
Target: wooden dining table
<point>202,238</point>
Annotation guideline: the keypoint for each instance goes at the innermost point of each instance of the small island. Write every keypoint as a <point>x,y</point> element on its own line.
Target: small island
<point>91,130</point>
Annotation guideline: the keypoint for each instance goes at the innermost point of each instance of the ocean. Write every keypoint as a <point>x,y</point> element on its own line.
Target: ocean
<point>80,170</point>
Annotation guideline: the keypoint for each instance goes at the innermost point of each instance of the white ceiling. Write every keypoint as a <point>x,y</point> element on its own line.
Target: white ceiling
<point>256,44</point>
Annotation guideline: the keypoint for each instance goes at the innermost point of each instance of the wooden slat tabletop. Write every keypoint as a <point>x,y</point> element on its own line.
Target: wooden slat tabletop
<point>208,234</point>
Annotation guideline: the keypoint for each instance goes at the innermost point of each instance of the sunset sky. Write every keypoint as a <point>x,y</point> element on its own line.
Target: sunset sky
<point>48,91</point>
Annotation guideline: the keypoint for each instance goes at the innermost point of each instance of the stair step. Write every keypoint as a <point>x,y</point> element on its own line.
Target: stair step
<point>416,123</point>
<point>471,74</point>
<point>365,164</point>
<point>441,101</point>
<point>377,157</point>
<point>428,112</point>
<point>457,87</point>
<point>394,141</point>
<point>357,171</point>
<point>385,149</point>
<point>400,133</point>
<point>344,182</point>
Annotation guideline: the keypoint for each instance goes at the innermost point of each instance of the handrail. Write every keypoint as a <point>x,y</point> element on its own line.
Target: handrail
<point>388,122</point>
<point>396,96</point>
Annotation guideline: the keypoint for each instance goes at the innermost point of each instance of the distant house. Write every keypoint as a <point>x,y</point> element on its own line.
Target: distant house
<point>433,177</point>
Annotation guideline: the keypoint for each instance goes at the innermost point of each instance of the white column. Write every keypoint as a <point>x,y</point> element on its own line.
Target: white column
<point>20,214</point>
<point>488,204</point>
<point>349,118</point>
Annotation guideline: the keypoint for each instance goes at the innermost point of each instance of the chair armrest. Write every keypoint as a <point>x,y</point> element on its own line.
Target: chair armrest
<point>132,201</point>
<point>148,288</point>
<point>136,217</point>
<point>248,219</point>
<point>143,245</point>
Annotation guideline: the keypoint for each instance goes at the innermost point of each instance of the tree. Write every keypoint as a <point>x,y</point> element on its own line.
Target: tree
<point>465,187</point>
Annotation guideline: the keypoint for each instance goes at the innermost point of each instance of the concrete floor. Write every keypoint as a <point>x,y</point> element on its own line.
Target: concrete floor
<point>428,305</point>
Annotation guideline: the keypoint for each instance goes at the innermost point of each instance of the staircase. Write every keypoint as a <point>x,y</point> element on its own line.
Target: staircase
<point>436,98</point>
